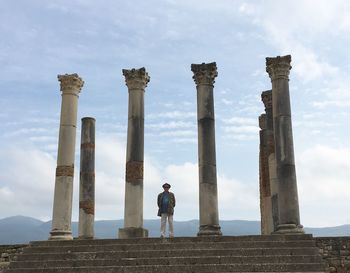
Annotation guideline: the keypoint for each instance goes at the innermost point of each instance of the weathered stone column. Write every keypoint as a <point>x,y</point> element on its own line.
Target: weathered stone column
<point>62,205</point>
<point>136,80</point>
<point>266,98</point>
<point>204,77</point>
<point>87,179</point>
<point>274,189</point>
<point>289,220</point>
<point>264,180</point>
<point>267,179</point>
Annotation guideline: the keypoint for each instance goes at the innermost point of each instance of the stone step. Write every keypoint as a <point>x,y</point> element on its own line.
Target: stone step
<point>202,268</point>
<point>176,239</point>
<point>167,261</point>
<point>243,252</point>
<point>285,253</point>
<point>169,245</point>
<point>89,270</point>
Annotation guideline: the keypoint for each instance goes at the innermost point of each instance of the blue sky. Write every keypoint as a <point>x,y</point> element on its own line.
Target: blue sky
<point>97,39</point>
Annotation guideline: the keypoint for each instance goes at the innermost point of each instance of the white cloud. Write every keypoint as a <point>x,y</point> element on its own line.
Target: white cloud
<point>313,123</point>
<point>172,115</point>
<point>237,199</point>
<point>182,133</point>
<point>335,94</point>
<point>25,131</point>
<point>336,103</point>
<point>110,173</point>
<point>241,121</point>
<point>291,26</point>
<point>240,137</point>
<point>29,185</point>
<point>308,65</point>
<point>323,179</point>
<point>171,125</point>
<point>43,139</point>
<point>184,140</point>
<point>247,9</point>
<point>26,182</point>
<point>226,101</point>
<point>242,129</point>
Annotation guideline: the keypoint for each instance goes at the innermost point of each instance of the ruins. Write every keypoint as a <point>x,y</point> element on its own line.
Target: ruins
<point>62,205</point>
<point>87,179</point>
<point>288,206</point>
<point>283,246</point>
<point>204,77</point>
<point>136,80</point>
<point>277,178</point>
<point>267,169</point>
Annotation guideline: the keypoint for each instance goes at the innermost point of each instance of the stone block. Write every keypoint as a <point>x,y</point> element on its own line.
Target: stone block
<point>131,232</point>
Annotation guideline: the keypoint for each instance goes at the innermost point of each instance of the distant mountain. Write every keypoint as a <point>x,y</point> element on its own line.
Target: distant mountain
<point>343,230</point>
<point>21,229</point>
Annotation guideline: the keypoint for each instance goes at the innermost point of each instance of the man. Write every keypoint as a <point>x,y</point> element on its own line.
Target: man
<point>166,204</point>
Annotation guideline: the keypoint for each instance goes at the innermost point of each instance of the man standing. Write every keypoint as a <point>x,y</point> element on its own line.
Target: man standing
<point>166,204</point>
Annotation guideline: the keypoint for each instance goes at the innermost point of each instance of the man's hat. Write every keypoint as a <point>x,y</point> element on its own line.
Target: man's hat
<point>166,185</point>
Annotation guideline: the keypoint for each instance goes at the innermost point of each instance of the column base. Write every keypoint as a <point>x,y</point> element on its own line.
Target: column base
<point>85,238</point>
<point>209,230</point>
<point>61,235</point>
<point>289,229</point>
<point>132,232</point>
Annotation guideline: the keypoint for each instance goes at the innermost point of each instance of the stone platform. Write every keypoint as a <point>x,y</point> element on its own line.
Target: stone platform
<point>277,253</point>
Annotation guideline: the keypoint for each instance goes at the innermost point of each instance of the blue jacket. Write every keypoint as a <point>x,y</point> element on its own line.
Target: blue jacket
<point>171,203</point>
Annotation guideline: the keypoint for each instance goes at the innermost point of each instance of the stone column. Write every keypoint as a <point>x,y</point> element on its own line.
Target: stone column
<point>204,77</point>
<point>264,180</point>
<point>289,220</point>
<point>274,189</point>
<point>268,194</point>
<point>62,205</point>
<point>87,179</point>
<point>266,98</point>
<point>136,80</point>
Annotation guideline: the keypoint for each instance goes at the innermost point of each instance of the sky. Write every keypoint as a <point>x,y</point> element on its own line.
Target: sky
<point>97,39</point>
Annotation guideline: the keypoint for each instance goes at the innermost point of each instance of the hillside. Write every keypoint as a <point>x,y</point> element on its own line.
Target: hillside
<point>21,229</point>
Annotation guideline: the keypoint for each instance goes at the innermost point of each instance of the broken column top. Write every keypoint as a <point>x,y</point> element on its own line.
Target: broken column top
<point>262,121</point>
<point>88,118</point>
<point>266,97</point>
<point>204,73</point>
<point>278,67</point>
<point>136,78</point>
<point>70,82</point>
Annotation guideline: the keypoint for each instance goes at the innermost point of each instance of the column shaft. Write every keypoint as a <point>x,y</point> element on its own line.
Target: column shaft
<point>62,206</point>
<point>266,97</point>
<point>268,194</point>
<point>87,179</point>
<point>264,180</point>
<point>136,80</point>
<point>288,205</point>
<point>204,75</point>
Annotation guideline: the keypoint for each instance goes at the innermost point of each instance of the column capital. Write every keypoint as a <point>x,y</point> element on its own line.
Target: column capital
<point>204,73</point>
<point>136,78</point>
<point>278,67</point>
<point>266,98</point>
<point>70,83</point>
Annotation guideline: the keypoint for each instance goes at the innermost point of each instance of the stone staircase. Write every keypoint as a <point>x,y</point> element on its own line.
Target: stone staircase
<point>277,253</point>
